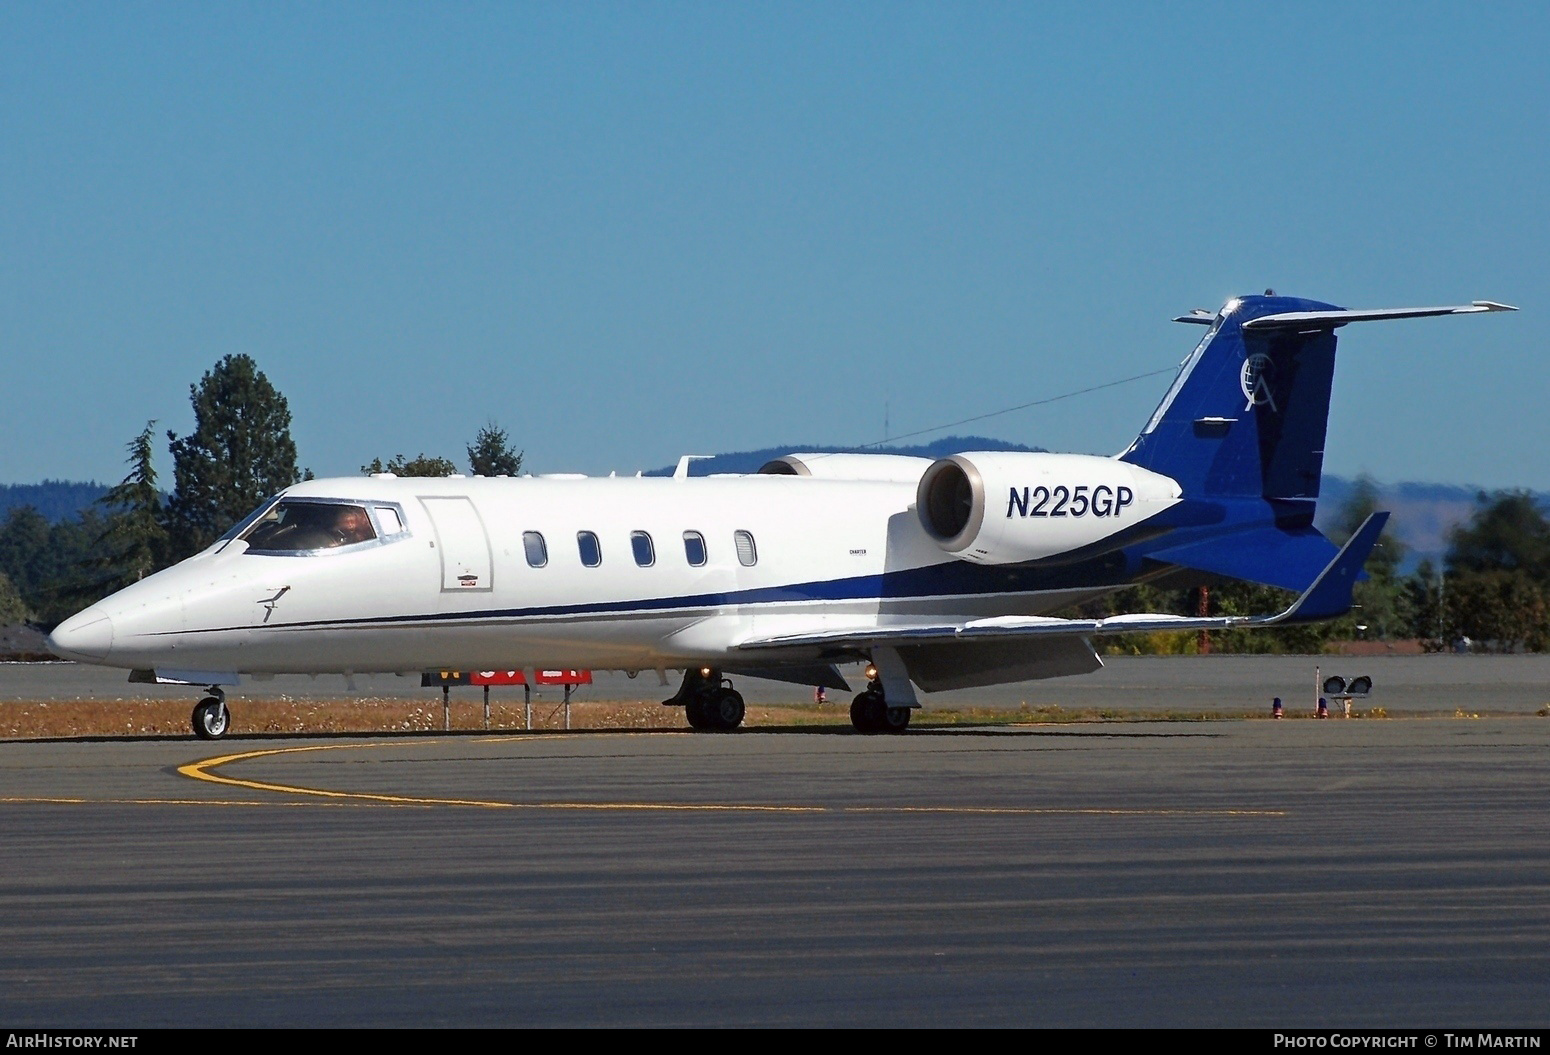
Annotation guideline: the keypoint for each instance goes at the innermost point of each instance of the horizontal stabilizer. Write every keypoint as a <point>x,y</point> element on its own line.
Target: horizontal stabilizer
<point>1286,559</point>
<point>1317,320</point>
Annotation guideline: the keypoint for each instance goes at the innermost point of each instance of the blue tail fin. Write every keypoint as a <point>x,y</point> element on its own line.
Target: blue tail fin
<point>1242,432</point>
<point>1245,418</point>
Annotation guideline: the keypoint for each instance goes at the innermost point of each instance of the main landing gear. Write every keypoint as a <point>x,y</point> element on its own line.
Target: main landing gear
<point>870,713</point>
<point>709,701</point>
<point>211,718</point>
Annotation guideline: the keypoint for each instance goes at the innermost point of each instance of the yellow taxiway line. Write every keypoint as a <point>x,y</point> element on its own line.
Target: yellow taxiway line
<point>204,771</point>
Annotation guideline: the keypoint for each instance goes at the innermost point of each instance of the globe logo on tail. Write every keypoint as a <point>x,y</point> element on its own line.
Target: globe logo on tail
<point>1254,379</point>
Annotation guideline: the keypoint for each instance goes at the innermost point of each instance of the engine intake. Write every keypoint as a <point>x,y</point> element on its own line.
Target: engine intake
<point>995,507</point>
<point>951,501</point>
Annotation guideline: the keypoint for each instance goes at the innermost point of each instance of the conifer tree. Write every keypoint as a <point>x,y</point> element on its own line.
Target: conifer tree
<point>12,608</point>
<point>133,542</point>
<point>239,453</point>
<point>491,455</point>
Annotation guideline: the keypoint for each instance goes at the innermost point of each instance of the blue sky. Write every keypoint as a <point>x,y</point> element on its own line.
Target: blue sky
<point>629,231</point>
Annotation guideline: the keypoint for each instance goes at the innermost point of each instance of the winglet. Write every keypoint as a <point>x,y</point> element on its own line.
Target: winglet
<point>1330,594</point>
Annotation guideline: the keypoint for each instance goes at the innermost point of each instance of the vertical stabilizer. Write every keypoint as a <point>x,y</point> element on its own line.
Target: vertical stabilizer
<point>1246,416</point>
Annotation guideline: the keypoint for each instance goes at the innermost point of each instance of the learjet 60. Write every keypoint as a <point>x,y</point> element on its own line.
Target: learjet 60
<point>939,575</point>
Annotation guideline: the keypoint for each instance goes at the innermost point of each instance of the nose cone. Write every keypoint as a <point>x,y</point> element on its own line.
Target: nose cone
<point>87,636</point>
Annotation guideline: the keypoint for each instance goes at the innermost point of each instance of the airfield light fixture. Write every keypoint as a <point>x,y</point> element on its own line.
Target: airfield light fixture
<point>1334,685</point>
<point>1359,686</point>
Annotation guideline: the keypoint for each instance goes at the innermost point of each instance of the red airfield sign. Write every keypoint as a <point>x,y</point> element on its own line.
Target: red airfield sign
<point>563,677</point>
<point>497,677</point>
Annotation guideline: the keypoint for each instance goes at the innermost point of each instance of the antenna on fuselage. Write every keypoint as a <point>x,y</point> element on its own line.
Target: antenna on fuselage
<point>682,472</point>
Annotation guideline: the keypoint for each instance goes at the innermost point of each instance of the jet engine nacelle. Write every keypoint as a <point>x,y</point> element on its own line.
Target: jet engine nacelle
<point>1005,508</point>
<point>876,468</point>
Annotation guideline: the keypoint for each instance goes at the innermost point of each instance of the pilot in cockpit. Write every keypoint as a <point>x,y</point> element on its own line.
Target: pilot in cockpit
<point>352,525</point>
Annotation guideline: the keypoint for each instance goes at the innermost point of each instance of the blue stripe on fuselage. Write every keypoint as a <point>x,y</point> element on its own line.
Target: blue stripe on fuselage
<point>1185,523</point>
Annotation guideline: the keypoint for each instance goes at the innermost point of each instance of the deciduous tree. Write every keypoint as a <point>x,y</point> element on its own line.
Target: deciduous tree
<point>419,465</point>
<point>1383,602</point>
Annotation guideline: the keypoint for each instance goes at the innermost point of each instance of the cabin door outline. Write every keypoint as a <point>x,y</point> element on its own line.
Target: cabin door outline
<point>463,544</point>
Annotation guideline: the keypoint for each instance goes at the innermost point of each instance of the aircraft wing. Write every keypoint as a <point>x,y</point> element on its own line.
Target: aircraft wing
<point>1329,596</point>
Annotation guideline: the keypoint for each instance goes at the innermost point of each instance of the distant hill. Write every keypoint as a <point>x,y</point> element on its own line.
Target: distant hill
<point>1424,514</point>
<point>56,499</point>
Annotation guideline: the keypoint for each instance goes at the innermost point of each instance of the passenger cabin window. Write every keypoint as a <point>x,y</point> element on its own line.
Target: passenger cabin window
<point>645,552</point>
<point>694,548</point>
<point>297,526</point>
<point>591,551</point>
<point>747,555</point>
<point>536,549</point>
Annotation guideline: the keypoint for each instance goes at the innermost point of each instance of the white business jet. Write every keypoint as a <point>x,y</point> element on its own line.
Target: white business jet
<point>940,575</point>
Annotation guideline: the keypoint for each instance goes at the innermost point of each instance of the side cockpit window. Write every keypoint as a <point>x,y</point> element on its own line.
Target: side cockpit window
<point>301,526</point>
<point>390,520</point>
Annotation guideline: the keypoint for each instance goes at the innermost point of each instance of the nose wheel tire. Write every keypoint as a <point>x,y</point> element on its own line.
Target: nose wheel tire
<point>211,719</point>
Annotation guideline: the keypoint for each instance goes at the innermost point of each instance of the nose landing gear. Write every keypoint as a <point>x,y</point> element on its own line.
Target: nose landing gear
<point>211,718</point>
<point>709,701</point>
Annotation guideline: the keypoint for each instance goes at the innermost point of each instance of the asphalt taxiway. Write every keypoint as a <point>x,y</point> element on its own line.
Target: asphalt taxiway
<point>1251,873</point>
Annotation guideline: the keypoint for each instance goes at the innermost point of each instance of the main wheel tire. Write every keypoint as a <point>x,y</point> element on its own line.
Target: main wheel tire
<point>726,710</point>
<point>896,719</point>
<point>211,719</point>
<point>858,713</point>
<point>696,712</point>
<point>867,712</point>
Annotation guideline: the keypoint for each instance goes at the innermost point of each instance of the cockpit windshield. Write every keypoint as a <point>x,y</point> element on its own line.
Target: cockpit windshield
<point>246,522</point>
<point>298,526</point>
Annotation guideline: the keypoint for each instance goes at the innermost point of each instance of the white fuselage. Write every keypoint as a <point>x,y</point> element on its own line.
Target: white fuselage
<point>457,588</point>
